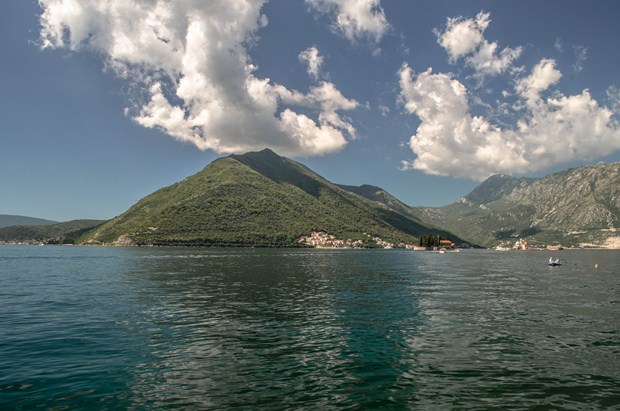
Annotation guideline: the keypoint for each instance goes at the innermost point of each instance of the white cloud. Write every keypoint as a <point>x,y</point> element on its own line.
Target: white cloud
<point>538,127</point>
<point>190,61</point>
<point>314,61</point>
<point>544,75</point>
<point>464,38</point>
<point>553,130</point>
<point>356,19</point>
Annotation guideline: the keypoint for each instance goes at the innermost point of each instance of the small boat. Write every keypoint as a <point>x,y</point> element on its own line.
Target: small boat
<point>554,262</point>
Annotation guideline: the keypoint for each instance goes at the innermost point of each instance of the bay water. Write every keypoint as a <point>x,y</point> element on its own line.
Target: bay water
<point>196,328</point>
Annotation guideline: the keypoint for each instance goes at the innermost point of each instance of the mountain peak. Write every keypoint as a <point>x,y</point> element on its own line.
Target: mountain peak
<point>265,154</point>
<point>494,188</point>
<point>282,170</point>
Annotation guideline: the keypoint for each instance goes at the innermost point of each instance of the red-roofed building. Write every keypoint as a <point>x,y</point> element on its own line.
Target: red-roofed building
<point>447,244</point>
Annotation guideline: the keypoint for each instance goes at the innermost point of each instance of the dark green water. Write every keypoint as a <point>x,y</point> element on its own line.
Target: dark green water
<point>116,328</point>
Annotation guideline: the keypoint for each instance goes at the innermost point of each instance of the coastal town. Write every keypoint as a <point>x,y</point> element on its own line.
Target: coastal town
<point>522,244</point>
<point>321,239</point>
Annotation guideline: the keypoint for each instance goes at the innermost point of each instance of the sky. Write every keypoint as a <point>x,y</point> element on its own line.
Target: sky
<point>103,102</point>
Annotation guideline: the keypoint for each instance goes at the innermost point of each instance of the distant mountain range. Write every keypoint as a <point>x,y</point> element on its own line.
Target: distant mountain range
<point>50,233</point>
<point>262,199</point>
<point>7,220</point>
<point>580,206</point>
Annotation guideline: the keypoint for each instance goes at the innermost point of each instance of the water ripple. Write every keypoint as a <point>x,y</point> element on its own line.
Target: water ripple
<point>306,329</point>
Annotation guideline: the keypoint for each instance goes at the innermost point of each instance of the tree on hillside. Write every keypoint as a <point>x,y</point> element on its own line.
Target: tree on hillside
<point>431,240</point>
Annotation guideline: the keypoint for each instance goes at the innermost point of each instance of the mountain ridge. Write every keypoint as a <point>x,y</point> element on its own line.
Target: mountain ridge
<point>263,199</point>
<point>7,220</point>
<point>575,207</point>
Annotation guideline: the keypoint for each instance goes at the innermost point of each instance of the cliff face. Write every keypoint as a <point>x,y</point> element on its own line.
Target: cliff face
<point>585,198</point>
<point>576,206</point>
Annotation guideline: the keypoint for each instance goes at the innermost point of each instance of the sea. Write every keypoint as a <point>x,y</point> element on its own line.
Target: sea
<point>107,328</point>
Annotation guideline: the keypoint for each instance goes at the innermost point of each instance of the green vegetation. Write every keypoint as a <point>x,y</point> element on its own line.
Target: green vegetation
<point>431,240</point>
<point>59,233</point>
<point>255,199</point>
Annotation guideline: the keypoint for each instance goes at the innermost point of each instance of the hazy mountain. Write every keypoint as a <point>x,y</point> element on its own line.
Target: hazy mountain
<point>8,220</point>
<point>576,206</point>
<point>260,199</point>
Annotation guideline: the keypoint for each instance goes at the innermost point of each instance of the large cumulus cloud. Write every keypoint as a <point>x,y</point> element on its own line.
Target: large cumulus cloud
<point>548,128</point>
<point>197,83</point>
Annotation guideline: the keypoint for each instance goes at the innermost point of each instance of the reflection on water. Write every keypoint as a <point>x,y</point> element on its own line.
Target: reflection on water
<point>277,329</point>
<point>315,329</point>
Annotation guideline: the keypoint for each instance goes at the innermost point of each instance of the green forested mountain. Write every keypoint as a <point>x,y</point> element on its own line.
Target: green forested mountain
<point>9,220</point>
<point>580,206</point>
<point>259,199</point>
<point>57,233</point>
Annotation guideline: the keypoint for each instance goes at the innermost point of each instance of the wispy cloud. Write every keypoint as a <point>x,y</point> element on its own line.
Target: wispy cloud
<point>558,45</point>
<point>197,82</point>
<point>581,55</point>
<point>385,110</point>
<point>613,98</point>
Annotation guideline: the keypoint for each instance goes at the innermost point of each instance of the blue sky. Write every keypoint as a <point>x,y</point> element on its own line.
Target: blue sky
<point>104,102</point>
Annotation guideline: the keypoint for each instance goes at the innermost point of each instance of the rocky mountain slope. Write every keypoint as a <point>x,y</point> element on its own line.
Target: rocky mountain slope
<point>261,199</point>
<point>580,206</point>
